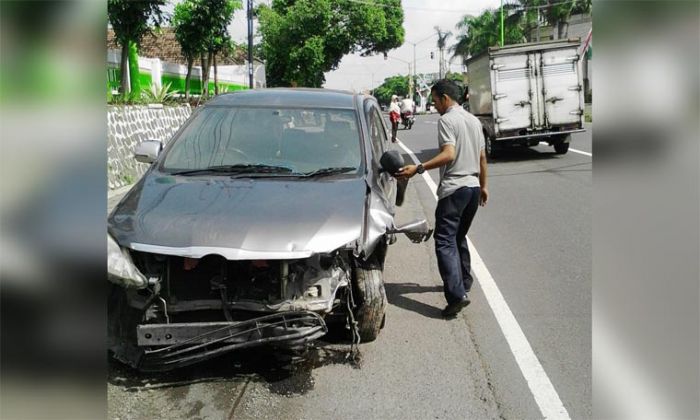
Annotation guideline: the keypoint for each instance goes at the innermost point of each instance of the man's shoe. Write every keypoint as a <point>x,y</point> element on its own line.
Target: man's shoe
<point>453,309</point>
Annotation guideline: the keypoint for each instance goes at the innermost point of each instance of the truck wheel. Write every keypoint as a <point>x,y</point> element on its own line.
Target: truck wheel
<point>562,144</point>
<point>490,149</point>
<point>561,148</point>
<point>372,299</point>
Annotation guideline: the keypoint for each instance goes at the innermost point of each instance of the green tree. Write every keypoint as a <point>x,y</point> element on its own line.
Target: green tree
<point>441,43</point>
<point>302,39</point>
<point>555,13</point>
<point>214,17</point>
<point>558,14</point>
<point>395,85</point>
<point>189,34</point>
<point>478,33</point>
<point>131,20</point>
<point>201,30</point>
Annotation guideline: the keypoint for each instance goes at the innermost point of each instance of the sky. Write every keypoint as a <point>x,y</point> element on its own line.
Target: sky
<point>420,17</point>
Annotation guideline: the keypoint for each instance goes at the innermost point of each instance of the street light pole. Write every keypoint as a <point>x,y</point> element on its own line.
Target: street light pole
<point>250,44</point>
<point>412,93</point>
<point>502,31</point>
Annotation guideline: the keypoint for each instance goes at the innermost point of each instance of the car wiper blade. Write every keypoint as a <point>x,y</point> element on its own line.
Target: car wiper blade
<point>330,171</point>
<point>236,169</point>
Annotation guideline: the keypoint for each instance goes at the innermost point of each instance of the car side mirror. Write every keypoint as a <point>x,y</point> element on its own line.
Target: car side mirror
<point>417,231</point>
<point>148,151</point>
<point>391,161</point>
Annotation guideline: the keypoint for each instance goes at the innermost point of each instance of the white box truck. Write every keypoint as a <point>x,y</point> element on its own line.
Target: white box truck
<point>527,93</point>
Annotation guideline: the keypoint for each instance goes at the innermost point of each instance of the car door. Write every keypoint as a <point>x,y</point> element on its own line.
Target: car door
<point>385,183</point>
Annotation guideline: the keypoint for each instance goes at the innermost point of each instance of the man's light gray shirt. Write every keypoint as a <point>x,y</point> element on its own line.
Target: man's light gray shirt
<point>462,130</point>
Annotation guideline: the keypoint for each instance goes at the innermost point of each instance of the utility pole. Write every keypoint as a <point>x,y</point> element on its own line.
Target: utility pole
<point>502,29</point>
<point>250,44</point>
<point>412,92</point>
<point>410,81</point>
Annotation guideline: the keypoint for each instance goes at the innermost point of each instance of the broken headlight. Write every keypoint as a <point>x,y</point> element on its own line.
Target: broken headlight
<point>121,269</point>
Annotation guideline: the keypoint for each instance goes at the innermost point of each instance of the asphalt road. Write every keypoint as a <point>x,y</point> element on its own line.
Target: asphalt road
<point>535,238</point>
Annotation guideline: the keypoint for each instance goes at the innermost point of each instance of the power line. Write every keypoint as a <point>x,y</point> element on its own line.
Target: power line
<point>370,3</point>
<point>518,7</point>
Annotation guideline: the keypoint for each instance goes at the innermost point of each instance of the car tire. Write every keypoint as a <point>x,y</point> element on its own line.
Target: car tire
<point>369,315</point>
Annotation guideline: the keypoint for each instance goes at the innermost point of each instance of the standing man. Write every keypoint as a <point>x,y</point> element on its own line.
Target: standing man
<point>394,116</point>
<point>463,187</point>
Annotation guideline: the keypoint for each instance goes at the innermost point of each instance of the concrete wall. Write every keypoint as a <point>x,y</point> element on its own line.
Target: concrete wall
<point>127,126</point>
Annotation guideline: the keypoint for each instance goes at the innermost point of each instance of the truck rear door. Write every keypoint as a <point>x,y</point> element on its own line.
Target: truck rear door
<point>560,88</point>
<point>512,78</point>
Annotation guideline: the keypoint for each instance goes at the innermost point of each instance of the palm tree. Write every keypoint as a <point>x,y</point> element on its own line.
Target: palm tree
<point>557,13</point>
<point>478,33</point>
<point>441,43</point>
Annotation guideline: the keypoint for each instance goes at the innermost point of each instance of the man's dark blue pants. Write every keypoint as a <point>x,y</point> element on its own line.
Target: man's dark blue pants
<point>453,217</point>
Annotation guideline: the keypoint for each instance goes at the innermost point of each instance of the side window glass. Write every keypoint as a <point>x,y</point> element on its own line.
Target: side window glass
<point>377,133</point>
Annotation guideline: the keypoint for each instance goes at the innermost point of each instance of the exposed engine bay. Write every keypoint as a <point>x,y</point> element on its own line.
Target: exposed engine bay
<point>193,309</point>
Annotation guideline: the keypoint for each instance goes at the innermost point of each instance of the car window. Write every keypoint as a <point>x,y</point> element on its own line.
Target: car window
<point>377,133</point>
<point>302,139</point>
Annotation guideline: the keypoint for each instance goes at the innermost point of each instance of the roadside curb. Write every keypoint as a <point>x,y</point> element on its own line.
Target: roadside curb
<point>114,196</point>
<point>119,191</point>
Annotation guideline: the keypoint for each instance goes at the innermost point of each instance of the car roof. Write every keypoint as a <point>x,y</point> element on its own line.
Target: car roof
<point>288,97</point>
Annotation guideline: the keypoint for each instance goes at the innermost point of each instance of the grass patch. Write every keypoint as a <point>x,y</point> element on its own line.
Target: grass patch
<point>128,179</point>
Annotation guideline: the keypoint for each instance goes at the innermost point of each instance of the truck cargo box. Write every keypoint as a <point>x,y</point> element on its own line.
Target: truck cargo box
<point>527,90</point>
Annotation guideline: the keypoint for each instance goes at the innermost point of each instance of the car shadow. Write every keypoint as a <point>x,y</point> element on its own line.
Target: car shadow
<point>521,153</point>
<point>508,154</point>
<point>395,295</point>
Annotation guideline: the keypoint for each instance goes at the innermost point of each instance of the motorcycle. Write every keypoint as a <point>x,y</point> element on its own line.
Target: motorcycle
<point>407,119</point>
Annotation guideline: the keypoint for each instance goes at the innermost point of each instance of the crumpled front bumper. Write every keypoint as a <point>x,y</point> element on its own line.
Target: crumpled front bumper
<point>170,346</point>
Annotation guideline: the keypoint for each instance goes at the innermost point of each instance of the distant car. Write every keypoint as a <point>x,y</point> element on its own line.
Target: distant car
<point>384,108</point>
<point>268,213</point>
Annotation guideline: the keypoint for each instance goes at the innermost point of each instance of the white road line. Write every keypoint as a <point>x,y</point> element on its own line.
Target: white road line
<point>541,387</point>
<point>580,152</point>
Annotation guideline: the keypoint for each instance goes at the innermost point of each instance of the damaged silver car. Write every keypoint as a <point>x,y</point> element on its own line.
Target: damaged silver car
<point>267,216</point>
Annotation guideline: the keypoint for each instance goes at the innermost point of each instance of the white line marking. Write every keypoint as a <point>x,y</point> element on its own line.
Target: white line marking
<point>580,152</point>
<point>541,387</point>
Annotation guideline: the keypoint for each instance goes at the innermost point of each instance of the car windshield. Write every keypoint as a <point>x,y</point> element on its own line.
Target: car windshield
<point>295,141</point>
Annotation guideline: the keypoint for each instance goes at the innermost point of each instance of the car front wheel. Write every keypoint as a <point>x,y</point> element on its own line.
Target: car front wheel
<point>369,315</point>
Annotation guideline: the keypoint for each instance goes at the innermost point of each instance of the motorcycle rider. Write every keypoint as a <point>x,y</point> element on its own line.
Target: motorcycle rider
<point>407,108</point>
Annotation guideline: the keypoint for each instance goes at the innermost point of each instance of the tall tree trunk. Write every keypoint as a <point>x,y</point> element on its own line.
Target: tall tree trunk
<point>209,59</point>
<point>566,30</point>
<point>206,59</point>
<point>561,26</point>
<point>216,75</point>
<point>188,77</point>
<point>205,76</point>
<point>124,66</point>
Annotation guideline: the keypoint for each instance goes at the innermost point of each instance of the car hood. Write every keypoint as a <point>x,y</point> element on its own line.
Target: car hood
<point>239,218</point>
